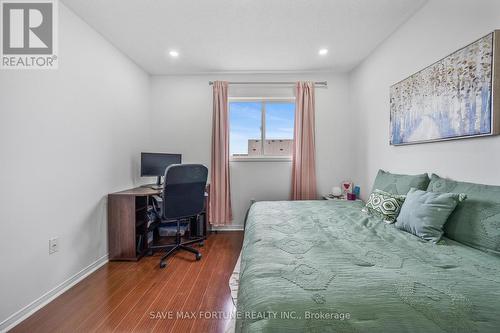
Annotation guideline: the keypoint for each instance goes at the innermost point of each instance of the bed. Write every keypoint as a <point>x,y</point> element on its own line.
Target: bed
<point>325,266</point>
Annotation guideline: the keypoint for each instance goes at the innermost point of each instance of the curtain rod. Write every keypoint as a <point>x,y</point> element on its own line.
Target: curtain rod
<point>317,83</point>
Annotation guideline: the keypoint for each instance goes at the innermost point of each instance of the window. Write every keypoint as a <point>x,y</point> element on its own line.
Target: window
<point>261,127</point>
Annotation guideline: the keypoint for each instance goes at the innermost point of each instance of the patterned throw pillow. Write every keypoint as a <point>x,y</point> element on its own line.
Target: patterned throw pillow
<point>385,205</point>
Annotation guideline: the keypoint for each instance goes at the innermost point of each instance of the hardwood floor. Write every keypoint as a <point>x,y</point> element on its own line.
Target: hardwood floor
<point>141,297</point>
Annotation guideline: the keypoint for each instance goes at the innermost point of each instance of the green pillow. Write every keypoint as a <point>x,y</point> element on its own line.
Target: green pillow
<point>399,184</point>
<point>476,221</point>
<point>425,213</point>
<point>384,205</point>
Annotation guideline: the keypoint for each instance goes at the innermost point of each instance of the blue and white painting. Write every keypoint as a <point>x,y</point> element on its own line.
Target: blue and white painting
<point>449,99</point>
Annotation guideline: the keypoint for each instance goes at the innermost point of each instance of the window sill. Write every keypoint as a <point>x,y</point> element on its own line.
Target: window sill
<point>260,159</point>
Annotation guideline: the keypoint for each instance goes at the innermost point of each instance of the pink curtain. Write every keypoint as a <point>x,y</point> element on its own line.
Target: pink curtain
<point>220,193</point>
<point>303,162</point>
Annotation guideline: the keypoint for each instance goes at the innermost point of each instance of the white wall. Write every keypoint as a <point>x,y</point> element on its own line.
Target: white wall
<point>438,29</point>
<point>181,122</point>
<point>67,138</point>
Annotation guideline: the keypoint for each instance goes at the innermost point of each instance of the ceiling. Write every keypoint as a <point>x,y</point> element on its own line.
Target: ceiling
<point>245,35</point>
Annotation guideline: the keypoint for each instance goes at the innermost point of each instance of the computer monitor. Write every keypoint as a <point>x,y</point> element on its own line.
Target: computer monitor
<point>155,164</point>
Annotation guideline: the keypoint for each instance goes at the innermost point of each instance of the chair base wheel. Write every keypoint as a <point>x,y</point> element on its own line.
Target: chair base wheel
<point>198,256</point>
<point>163,264</point>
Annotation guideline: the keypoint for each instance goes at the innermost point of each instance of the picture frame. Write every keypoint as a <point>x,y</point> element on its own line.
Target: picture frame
<point>456,97</point>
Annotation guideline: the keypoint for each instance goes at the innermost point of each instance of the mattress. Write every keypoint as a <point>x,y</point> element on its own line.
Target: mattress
<point>325,266</point>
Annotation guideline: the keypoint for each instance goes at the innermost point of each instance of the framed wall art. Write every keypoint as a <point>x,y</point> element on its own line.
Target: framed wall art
<point>457,97</point>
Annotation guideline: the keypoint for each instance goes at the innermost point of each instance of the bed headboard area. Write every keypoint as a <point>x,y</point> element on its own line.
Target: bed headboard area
<point>476,221</point>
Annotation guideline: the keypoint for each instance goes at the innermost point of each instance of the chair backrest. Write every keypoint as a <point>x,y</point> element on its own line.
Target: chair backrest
<point>184,190</point>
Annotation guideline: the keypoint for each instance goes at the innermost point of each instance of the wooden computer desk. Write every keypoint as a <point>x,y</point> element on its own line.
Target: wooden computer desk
<point>128,222</point>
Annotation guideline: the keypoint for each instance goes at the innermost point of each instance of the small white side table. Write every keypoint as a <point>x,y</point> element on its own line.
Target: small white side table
<point>327,197</point>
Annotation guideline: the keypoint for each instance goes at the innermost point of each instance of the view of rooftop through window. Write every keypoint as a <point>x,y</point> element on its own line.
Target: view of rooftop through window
<point>261,127</point>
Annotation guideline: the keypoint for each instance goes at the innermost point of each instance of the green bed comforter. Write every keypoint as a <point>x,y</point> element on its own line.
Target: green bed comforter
<point>325,266</point>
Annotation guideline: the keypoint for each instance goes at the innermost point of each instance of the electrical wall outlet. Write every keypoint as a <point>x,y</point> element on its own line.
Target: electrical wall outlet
<point>53,245</point>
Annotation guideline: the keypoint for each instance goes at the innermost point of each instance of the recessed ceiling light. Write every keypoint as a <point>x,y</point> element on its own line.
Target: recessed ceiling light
<point>173,54</point>
<point>323,51</point>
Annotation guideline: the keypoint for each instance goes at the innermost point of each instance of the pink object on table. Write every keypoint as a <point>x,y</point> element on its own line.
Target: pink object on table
<point>351,196</point>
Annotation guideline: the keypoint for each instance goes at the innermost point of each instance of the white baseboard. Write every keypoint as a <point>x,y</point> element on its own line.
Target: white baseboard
<point>46,298</point>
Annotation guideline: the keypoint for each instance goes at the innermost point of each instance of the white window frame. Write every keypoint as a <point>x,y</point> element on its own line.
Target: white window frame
<point>260,158</point>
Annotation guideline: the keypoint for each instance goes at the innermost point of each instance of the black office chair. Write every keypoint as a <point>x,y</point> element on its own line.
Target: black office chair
<point>183,198</point>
